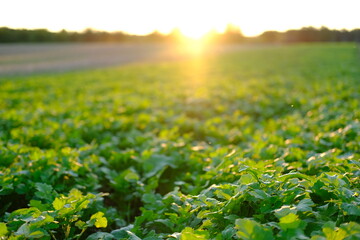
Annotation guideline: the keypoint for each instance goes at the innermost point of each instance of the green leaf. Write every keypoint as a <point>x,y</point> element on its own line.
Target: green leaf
<point>36,234</point>
<point>260,194</point>
<point>124,234</point>
<point>25,214</point>
<point>286,177</point>
<point>228,233</point>
<point>131,175</point>
<point>305,205</point>
<point>190,234</point>
<point>58,204</point>
<point>149,198</point>
<point>221,194</point>
<point>283,211</point>
<point>42,221</point>
<point>290,221</point>
<point>156,163</point>
<point>100,236</point>
<point>247,179</point>
<point>249,229</point>
<point>352,229</point>
<point>80,224</point>
<point>23,230</point>
<point>37,204</point>
<point>44,191</point>
<point>75,193</point>
<point>351,209</point>
<point>333,233</point>
<point>3,229</point>
<point>82,204</point>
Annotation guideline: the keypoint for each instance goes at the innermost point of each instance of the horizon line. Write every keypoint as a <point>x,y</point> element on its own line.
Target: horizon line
<point>176,29</point>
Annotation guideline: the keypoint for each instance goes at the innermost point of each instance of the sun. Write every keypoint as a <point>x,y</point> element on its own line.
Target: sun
<point>194,29</point>
<point>193,41</point>
<point>194,32</point>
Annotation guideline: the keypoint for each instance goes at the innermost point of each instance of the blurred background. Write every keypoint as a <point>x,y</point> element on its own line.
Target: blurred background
<point>57,36</point>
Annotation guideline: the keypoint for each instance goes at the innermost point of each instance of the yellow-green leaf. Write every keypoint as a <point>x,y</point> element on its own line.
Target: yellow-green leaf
<point>290,221</point>
<point>80,224</point>
<point>100,221</point>
<point>189,233</point>
<point>58,204</point>
<point>3,229</point>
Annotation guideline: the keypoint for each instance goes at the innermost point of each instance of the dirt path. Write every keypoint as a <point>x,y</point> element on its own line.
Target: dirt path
<point>25,59</point>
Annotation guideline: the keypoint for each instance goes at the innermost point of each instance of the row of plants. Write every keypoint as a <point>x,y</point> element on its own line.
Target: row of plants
<point>258,144</point>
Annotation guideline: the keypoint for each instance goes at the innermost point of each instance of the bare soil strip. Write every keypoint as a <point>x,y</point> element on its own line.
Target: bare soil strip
<point>25,59</point>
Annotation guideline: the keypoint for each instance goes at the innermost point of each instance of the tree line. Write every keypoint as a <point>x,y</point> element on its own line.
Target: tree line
<point>232,34</point>
<point>311,34</point>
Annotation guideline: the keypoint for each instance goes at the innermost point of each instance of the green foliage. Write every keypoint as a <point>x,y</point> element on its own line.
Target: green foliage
<point>61,219</point>
<point>250,229</point>
<point>260,144</point>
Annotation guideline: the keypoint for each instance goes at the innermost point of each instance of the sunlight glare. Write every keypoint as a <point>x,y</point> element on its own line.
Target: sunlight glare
<point>194,32</point>
<point>193,18</point>
<point>192,46</point>
<point>195,46</point>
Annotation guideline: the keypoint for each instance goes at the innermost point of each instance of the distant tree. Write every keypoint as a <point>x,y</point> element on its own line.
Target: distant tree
<point>155,36</point>
<point>232,34</point>
<point>270,37</point>
<point>356,35</point>
<point>327,35</point>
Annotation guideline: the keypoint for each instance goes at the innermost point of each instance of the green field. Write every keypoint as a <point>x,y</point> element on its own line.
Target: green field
<point>258,144</point>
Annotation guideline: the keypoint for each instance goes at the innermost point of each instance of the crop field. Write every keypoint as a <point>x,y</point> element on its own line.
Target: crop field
<point>254,144</point>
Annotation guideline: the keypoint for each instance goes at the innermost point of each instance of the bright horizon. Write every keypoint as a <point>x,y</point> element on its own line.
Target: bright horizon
<point>192,18</point>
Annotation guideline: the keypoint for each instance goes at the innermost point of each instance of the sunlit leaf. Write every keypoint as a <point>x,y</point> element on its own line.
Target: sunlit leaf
<point>100,221</point>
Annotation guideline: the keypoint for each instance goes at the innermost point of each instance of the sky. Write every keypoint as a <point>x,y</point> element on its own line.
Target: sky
<point>192,17</point>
